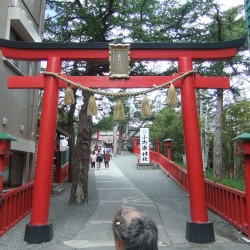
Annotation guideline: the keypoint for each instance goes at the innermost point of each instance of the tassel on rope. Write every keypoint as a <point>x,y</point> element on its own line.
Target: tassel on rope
<point>69,96</point>
<point>92,107</point>
<point>172,97</point>
<point>145,107</point>
<point>119,111</point>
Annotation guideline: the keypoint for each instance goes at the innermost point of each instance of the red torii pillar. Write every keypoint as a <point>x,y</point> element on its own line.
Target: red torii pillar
<point>43,177</point>
<point>198,230</point>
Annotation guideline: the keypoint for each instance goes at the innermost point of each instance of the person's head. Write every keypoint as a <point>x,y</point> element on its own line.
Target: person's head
<point>133,230</point>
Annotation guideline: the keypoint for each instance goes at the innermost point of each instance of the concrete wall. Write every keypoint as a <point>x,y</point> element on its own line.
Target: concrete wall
<point>25,19</point>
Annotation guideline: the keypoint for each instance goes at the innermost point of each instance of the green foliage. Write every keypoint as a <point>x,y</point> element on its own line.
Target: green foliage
<point>233,183</point>
<point>227,25</point>
<point>235,122</point>
<point>128,20</point>
<point>156,21</point>
<point>237,183</point>
<point>105,124</point>
<point>168,124</point>
<point>237,117</point>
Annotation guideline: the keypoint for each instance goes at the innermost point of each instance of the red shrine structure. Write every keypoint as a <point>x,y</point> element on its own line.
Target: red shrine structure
<point>198,229</point>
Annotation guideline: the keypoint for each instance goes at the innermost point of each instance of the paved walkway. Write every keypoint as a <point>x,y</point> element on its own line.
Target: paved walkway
<point>152,191</point>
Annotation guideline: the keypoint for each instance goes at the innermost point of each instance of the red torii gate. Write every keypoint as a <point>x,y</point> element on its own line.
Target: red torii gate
<point>39,230</point>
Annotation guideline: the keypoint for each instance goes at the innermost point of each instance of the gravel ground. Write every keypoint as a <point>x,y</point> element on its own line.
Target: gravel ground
<point>153,183</point>
<point>62,216</point>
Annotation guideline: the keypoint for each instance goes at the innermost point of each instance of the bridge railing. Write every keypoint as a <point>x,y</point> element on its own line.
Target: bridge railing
<point>16,204</point>
<point>228,203</point>
<point>177,173</point>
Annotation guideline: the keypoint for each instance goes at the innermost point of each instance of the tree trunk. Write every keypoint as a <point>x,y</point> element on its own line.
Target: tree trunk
<point>115,139</point>
<point>206,139</point>
<point>119,147</point>
<point>217,149</point>
<point>80,164</point>
<point>238,163</point>
<point>202,133</point>
<point>71,142</point>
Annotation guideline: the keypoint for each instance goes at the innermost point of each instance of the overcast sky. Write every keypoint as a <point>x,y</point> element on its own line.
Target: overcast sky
<point>230,3</point>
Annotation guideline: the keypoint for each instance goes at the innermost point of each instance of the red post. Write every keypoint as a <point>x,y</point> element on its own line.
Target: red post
<point>199,226</point>
<point>4,157</point>
<point>247,183</point>
<point>158,145</point>
<point>39,230</point>
<point>169,153</point>
<point>5,141</point>
<point>1,171</point>
<point>135,142</point>
<point>244,149</point>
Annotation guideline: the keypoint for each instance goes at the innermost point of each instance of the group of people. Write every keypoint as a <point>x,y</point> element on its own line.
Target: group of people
<point>97,157</point>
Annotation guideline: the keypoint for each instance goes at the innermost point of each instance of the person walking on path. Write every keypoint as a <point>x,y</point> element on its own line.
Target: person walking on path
<point>107,157</point>
<point>92,160</point>
<point>99,159</point>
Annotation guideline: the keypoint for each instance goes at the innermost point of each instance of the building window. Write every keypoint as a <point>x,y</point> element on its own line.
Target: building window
<point>23,66</point>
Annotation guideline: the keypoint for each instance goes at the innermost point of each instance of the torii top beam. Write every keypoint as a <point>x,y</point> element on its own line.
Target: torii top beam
<point>139,51</point>
<point>30,51</point>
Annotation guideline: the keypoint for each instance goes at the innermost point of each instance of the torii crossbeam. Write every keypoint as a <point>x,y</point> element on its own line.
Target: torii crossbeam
<point>199,229</point>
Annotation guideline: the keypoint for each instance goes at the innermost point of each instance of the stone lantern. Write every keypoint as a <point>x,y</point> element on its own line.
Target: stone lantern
<point>5,140</point>
<point>168,143</point>
<point>244,149</point>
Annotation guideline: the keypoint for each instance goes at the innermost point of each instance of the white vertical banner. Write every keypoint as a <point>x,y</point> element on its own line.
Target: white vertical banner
<point>144,145</point>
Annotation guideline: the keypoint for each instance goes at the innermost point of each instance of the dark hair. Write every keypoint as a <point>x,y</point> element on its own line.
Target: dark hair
<point>135,230</point>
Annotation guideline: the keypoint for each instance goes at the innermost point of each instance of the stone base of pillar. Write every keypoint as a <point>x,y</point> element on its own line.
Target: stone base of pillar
<point>38,234</point>
<point>200,232</point>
